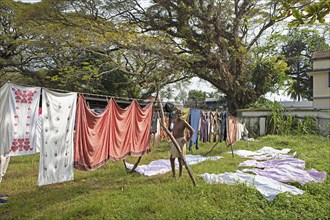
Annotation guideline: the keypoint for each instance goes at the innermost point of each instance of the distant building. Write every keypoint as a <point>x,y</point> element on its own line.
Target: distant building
<point>321,79</point>
<point>212,103</point>
<point>176,103</point>
<point>297,104</point>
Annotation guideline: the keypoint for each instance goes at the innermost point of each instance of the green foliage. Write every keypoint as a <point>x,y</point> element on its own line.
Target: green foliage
<point>262,103</point>
<point>122,47</point>
<point>196,96</point>
<point>79,45</point>
<point>297,50</point>
<point>167,93</point>
<point>278,123</point>
<point>181,87</point>
<point>267,74</point>
<point>15,55</point>
<point>309,13</point>
<point>110,193</point>
<point>276,119</point>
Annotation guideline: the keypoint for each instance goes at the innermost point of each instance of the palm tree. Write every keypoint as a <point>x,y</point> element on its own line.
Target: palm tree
<point>181,87</point>
<point>167,93</point>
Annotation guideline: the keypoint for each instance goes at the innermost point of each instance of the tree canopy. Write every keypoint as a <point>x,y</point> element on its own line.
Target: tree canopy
<point>132,49</point>
<point>217,41</point>
<point>82,45</point>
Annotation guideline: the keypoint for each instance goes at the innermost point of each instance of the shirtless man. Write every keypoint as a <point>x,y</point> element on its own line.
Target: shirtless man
<point>178,133</point>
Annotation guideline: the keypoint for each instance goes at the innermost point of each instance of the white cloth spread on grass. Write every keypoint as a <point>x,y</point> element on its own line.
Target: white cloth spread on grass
<point>274,156</point>
<point>163,166</point>
<point>263,151</point>
<point>56,153</point>
<point>268,187</point>
<point>286,173</point>
<point>283,168</point>
<point>19,110</point>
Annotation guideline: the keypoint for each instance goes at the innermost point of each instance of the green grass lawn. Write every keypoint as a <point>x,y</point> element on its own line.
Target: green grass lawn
<point>110,193</point>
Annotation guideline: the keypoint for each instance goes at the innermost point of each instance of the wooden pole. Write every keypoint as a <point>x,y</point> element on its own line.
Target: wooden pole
<point>134,167</point>
<point>212,148</point>
<point>175,143</point>
<point>180,152</point>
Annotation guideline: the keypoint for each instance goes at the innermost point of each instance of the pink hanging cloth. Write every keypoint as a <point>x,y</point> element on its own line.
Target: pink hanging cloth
<point>232,130</point>
<point>113,134</point>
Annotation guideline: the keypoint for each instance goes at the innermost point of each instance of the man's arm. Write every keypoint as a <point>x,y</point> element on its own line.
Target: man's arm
<point>191,130</point>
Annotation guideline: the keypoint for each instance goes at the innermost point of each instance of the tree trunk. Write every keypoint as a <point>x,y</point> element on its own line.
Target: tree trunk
<point>232,105</point>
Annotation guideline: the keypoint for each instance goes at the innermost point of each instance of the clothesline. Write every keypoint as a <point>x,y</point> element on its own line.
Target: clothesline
<point>83,93</point>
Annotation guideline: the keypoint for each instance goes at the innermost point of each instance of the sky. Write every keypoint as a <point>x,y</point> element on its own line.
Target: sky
<point>199,84</point>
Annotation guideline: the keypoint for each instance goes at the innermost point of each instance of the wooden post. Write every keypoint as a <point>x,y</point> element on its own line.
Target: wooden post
<point>212,148</point>
<point>175,144</point>
<point>134,167</point>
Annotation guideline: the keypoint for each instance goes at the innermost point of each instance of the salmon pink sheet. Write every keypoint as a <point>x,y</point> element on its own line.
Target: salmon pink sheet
<point>113,134</point>
<point>232,130</point>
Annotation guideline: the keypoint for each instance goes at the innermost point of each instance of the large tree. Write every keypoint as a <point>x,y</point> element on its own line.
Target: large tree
<point>217,40</point>
<point>88,47</point>
<point>16,55</point>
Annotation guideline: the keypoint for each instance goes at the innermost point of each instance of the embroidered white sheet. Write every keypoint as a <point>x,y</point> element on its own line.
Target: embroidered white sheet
<point>56,150</point>
<point>19,110</point>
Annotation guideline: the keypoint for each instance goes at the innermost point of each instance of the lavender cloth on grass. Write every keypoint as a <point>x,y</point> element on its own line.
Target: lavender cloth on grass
<point>274,163</point>
<point>286,173</point>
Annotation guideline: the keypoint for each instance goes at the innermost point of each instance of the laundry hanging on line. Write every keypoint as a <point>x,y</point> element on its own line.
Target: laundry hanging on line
<point>53,131</point>
<point>56,150</point>
<point>194,123</point>
<point>113,134</point>
<point>18,119</point>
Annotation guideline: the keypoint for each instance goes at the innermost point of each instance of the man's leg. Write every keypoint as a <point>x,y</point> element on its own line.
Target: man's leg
<point>180,166</point>
<point>172,165</point>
